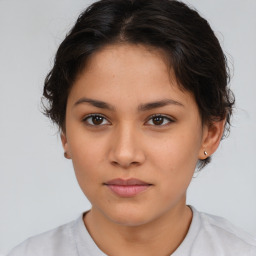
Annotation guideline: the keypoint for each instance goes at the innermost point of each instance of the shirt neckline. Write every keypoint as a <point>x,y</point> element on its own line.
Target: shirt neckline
<point>86,246</point>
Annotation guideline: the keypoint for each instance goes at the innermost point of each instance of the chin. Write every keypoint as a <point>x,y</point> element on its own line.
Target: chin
<point>129,217</point>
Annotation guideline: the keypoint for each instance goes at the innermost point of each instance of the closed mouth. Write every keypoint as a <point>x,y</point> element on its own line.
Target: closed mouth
<point>126,182</point>
<point>127,188</point>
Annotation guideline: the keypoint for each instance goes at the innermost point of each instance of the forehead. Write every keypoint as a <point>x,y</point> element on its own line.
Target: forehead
<point>128,72</point>
<point>127,58</point>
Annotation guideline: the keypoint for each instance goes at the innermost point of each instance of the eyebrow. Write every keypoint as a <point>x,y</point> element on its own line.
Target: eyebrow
<point>141,108</point>
<point>158,104</point>
<point>95,103</point>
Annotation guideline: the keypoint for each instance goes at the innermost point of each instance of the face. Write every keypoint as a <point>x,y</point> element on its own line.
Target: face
<point>133,136</point>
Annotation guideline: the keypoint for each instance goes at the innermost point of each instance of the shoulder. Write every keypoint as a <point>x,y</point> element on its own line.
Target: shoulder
<point>226,238</point>
<point>58,241</point>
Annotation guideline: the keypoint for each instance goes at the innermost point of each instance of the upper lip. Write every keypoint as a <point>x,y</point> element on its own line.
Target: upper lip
<point>126,182</point>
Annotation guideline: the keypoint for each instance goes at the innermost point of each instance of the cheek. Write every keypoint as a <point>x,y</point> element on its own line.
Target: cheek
<point>86,168</point>
<point>87,156</point>
<point>176,152</point>
<point>175,169</point>
<point>175,159</point>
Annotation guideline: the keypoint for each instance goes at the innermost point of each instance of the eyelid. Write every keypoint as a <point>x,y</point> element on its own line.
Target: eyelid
<point>84,119</point>
<point>170,119</point>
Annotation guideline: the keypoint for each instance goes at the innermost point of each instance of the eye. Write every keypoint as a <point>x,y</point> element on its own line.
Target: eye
<point>95,120</point>
<point>159,120</point>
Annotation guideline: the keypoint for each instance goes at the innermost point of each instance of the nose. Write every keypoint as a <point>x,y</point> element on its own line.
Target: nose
<point>126,147</point>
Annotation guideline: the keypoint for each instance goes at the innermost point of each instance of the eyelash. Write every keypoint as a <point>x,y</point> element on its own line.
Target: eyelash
<point>85,120</point>
<point>170,120</point>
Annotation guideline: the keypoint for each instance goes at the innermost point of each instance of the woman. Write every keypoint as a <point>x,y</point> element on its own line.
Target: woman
<point>139,92</point>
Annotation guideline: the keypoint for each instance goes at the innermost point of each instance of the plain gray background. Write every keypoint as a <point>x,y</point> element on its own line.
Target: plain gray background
<point>38,189</point>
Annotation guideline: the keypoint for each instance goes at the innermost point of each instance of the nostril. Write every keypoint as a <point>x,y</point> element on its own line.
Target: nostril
<point>125,165</point>
<point>115,163</point>
<point>135,163</point>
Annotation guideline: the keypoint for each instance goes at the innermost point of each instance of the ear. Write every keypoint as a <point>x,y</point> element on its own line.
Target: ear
<point>212,134</point>
<point>65,145</point>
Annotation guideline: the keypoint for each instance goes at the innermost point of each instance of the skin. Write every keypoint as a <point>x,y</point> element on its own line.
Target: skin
<point>128,143</point>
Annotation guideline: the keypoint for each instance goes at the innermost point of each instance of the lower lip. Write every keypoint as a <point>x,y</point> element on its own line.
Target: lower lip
<point>128,190</point>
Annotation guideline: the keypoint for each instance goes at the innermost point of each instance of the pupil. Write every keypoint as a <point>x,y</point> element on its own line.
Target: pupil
<point>158,120</point>
<point>97,119</point>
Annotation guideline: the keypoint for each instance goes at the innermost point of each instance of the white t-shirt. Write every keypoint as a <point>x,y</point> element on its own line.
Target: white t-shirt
<point>208,235</point>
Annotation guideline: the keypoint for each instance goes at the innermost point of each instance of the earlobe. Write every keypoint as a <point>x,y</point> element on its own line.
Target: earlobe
<point>65,145</point>
<point>212,135</point>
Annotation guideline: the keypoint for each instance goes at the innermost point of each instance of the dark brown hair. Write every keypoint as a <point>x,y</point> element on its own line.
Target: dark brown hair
<point>189,44</point>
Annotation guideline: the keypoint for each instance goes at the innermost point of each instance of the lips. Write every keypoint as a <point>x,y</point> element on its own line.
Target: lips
<point>127,188</point>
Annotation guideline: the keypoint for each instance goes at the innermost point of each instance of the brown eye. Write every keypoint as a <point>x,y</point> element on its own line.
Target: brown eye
<point>95,120</point>
<point>159,120</point>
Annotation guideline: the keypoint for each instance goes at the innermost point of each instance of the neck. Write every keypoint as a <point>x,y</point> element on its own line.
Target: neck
<point>161,236</point>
